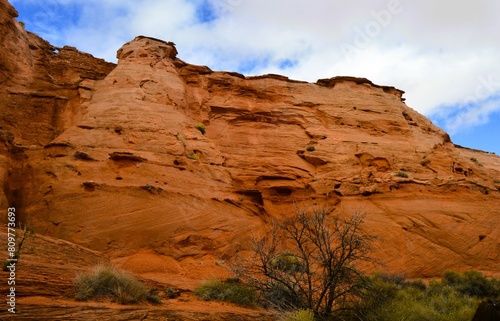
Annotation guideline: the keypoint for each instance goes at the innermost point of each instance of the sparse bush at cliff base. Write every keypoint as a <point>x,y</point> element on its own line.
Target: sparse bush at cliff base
<point>27,231</point>
<point>107,281</point>
<point>454,298</point>
<point>473,283</point>
<point>299,315</point>
<point>414,304</point>
<point>228,291</point>
<point>286,262</point>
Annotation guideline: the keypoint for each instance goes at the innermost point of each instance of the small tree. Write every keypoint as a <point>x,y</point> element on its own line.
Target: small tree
<point>27,231</point>
<point>308,261</point>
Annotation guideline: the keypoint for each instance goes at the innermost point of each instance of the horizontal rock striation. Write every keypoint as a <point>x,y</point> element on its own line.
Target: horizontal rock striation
<point>177,164</point>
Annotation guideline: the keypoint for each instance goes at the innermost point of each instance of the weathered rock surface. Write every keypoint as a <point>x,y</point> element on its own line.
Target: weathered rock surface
<point>109,159</point>
<point>45,291</point>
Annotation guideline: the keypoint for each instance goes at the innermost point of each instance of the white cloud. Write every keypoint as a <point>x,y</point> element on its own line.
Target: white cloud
<point>436,51</point>
<point>465,116</point>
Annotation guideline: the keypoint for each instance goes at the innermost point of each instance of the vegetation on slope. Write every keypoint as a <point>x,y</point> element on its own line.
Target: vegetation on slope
<point>305,268</point>
<point>107,281</point>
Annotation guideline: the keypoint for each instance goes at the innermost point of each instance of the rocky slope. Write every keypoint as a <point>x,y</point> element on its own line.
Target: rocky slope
<point>107,158</point>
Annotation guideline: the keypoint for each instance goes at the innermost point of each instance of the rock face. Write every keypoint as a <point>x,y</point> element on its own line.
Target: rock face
<point>40,94</point>
<point>168,168</point>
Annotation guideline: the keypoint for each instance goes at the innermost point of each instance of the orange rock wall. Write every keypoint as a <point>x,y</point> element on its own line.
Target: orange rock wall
<point>108,157</point>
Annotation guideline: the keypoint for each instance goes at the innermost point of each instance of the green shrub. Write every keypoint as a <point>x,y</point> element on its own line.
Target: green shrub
<point>419,284</point>
<point>172,293</point>
<point>154,297</point>
<point>417,305</point>
<point>107,281</point>
<point>310,148</point>
<point>401,174</point>
<point>286,262</point>
<point>476,161</point>
<point>454,298</point>
<point>201,128</point>
<point>472,283</point>
<point>229,291</point>
<point>299,315</point>
<point>382,288</point>
<point>27,231</point>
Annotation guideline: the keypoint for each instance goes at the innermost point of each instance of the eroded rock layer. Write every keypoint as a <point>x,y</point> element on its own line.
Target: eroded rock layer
<point>175,166</point>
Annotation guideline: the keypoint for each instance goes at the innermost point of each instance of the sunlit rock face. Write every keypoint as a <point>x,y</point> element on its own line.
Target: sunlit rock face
<point>155,160</point>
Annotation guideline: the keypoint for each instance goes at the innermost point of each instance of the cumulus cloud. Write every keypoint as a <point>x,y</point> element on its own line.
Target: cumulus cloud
<point>437,52</point>
<point>471,113</point>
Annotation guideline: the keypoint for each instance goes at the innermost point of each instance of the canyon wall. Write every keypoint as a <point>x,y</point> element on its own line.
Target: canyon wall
<point>157,159</point>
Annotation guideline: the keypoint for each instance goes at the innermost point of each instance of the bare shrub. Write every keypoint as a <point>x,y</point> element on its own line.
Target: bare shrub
<point>309,262</point>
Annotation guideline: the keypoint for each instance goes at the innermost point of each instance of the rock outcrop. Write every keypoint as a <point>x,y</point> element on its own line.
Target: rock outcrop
<point>168,169</point>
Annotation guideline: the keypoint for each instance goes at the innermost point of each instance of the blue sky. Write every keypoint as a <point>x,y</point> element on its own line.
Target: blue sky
<point>445,55</point>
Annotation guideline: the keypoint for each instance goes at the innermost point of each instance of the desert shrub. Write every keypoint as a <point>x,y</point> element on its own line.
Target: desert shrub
<point>201,128</point>
<point>228,291</point>
<point>310,148</point>
<point>25,232</point>
<point>413,304</point>
<point>107,281</point>
<point>381,289</point>
<point>476,161</point>
<point>148,187</point>
<point>299,315</point>
<point>473,283</point>
<point>397,279</point>
<point>279,296</point>
<point>286,262</point>
<point>454,298</point>
<point>172,293</point>
<point>154,297</point>
<point>419,284</point>
<point>401,174</point>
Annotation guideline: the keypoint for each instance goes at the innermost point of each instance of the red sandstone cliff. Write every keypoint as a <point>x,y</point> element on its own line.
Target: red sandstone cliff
<point>106,159</point>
